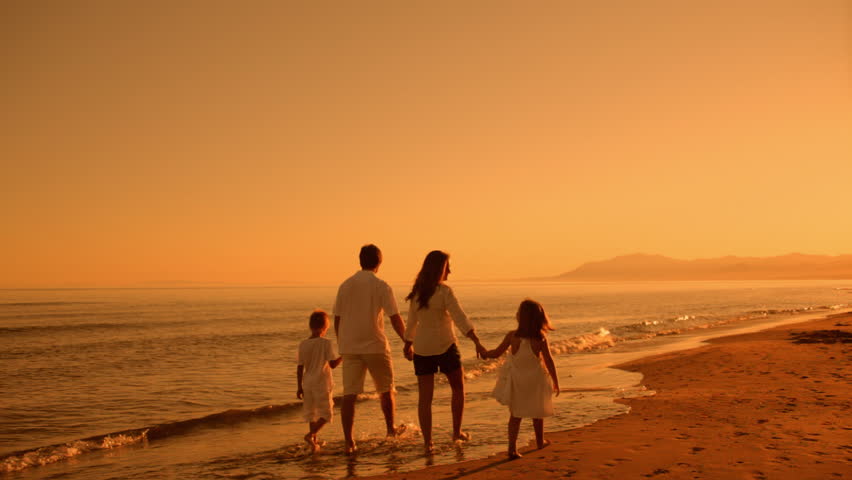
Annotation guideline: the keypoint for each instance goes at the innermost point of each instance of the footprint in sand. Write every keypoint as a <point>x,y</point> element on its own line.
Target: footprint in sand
<point>658,471</point>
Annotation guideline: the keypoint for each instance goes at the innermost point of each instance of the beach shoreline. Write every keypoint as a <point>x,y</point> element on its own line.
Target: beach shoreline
<point>769,404</point>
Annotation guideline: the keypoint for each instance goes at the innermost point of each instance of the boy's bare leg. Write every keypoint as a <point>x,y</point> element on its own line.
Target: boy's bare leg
<point>347,418</point>
<point>311,437</point>
<point>316,426</point>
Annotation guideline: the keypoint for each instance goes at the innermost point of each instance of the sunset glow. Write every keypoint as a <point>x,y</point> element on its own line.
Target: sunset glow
<point>265,143</point>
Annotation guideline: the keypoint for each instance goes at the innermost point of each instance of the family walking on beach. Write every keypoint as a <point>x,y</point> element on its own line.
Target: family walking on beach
<point>526,381</point>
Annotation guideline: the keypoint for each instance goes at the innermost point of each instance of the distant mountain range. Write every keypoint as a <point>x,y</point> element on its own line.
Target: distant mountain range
<point>794,266</point>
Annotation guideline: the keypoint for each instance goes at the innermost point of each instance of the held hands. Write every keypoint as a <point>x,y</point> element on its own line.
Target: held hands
<point>408,351</point>
<point>300,393</point>
<point>480,350</point>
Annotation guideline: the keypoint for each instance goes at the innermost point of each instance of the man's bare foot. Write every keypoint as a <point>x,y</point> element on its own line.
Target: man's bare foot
<point>397,431</point>
<point>462,437</point>
<point>543,444</point>
<point>429,449</point>
<point>514,455</point>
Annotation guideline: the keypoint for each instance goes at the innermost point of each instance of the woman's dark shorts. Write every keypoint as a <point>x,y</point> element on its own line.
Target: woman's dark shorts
<point>448,362</point>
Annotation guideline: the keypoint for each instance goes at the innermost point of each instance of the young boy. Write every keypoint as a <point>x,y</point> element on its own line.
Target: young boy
<point>317,356</point>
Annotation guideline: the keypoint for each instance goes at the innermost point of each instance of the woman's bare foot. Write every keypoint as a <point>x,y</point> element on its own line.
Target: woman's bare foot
<point>429,449</point>
<point>351,449</point>
<point>462,437</point>
<point>514,455</point>
<point>543,444</point>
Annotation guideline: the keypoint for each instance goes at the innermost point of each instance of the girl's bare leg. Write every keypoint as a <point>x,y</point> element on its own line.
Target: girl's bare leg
<point>514,428</point>
<point>538,426</point>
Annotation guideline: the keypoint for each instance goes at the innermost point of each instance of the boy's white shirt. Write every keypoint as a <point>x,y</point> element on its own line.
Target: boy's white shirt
<point>314,354</point>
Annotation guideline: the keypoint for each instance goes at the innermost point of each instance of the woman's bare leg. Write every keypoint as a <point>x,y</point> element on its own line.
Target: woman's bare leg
<point>426,388</point>
<point>456,380</point>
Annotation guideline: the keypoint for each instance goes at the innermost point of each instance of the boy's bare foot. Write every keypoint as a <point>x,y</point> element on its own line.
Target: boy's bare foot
<point>311,440</point>
<point>543,444</point>
<point>462,437</point>
<point>514,455</point>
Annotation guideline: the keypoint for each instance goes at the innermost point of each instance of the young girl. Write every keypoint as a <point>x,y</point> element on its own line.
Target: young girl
<point>523,380</point>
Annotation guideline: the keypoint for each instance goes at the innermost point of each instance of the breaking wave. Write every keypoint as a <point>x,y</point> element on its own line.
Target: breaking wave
<point>53,453</point>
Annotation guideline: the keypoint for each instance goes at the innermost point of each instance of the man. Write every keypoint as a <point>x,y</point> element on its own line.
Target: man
<point>362,302</point>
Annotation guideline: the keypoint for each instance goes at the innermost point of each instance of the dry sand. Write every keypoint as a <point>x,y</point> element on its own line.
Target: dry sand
<point>766,405</point>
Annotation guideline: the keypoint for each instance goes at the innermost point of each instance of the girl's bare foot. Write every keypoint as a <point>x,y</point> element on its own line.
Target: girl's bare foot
<point>462,437</point>
<point>543,444</point>
<point>429,449</point>
<point>514,455</point>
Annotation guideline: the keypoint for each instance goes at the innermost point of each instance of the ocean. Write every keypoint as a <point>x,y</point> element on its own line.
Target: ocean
<point>200,382</point>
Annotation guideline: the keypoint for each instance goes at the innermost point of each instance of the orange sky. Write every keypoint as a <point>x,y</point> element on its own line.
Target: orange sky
<point>265,142</point>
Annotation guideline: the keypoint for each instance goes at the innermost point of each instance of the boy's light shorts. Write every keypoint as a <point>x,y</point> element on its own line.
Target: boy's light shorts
<point>317,403</point>
<point>355,367</point>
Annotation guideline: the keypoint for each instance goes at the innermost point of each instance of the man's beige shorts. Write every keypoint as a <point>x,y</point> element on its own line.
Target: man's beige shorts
<point>355,368</point>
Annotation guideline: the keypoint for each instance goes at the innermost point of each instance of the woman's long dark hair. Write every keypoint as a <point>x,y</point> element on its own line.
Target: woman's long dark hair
<point>431,274</point>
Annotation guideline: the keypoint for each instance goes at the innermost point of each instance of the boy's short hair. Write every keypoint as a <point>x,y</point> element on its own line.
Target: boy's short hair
<point>370,257</point>
<point>318,319</point>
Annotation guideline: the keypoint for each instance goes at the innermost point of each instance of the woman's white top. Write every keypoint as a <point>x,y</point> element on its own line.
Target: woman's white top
<point>431,329</point>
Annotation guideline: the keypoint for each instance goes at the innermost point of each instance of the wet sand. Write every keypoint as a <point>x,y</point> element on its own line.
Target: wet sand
<point>775,404</point>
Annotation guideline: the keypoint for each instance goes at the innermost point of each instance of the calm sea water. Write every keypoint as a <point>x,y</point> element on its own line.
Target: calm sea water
<point>200,383</point>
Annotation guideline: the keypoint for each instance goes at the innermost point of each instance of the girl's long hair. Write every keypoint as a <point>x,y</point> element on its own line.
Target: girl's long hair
<point>431,274</point>
<point>532,321</point>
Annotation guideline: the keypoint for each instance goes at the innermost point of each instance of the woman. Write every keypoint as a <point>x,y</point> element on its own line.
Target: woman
<point>431,342</point>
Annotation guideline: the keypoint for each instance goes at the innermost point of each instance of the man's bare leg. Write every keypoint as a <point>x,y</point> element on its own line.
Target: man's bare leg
<point>388,407</point>
<point>347,419</point>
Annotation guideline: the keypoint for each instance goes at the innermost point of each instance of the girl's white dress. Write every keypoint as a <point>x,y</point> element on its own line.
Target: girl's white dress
<point>524,385</point>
